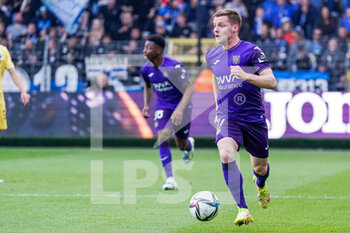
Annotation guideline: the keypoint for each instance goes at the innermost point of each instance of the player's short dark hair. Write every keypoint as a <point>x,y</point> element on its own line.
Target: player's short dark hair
<point>157,39</point>
<point>232,15</point>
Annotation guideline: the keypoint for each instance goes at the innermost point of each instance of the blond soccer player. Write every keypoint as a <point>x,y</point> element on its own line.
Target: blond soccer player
<point>6,63</point>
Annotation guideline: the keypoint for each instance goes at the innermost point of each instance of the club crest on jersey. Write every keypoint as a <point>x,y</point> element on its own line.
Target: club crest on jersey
<point>236,59</point>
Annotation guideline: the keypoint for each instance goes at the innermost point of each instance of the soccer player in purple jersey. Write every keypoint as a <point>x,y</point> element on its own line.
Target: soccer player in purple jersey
<point>174,90</point>
<point>240,69</point>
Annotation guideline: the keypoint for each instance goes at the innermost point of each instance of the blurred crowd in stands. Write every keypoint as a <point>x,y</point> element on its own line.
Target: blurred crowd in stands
<point>295,34</point>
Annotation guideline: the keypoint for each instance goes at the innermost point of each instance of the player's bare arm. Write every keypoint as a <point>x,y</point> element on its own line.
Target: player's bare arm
<point>177,115</point>
<point>215,89</point>
<point>265,79</point>
<point>15,77</point>
<point>147,94</point>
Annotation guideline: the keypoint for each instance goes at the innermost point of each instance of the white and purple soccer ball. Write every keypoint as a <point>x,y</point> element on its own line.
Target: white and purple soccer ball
<point>204,206</point>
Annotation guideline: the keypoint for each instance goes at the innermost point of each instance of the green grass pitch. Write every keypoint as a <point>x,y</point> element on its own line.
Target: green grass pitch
<point>56,190</point>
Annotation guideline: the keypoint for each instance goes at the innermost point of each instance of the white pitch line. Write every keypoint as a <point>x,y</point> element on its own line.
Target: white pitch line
<point>309,197</point>
<point>78,195</point>
<point>70,195</point>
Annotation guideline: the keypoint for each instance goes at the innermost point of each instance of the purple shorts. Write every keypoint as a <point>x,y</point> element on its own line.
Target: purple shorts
<point>253,135</point>
<point>162,120</point>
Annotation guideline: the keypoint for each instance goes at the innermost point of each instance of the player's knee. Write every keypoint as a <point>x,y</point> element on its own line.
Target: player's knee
<point>261,169</point>
<point>226,156</point>
<point>164,135</point>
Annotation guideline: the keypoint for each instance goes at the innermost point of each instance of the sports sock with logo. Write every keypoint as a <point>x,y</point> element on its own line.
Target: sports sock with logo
<point>234,181</point>
<point>260,181</point>
<point>165,157</point>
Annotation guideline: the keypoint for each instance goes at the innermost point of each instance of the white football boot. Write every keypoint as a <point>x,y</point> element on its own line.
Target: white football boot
<point>170,184</point>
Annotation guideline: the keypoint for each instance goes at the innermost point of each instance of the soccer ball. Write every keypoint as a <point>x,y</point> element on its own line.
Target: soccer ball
<point>204,206</point>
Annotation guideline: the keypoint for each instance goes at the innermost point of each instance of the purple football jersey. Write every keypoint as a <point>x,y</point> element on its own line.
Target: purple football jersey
<point>238,99</point>
<point>167,80</point>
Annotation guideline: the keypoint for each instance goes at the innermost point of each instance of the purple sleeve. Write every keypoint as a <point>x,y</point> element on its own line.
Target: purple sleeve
<point>144,76</point>
<point>259,60</point>
<point>178,74</point>
<point>207,59</point>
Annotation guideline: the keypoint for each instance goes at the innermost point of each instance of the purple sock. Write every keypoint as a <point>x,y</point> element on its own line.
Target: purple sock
<point>165,157</point>
<point>189,147</point>
<point>234,181</point>
<point>260,181</point>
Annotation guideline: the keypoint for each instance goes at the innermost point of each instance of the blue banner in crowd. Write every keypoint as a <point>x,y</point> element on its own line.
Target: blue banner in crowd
<point>313,81</point>
<point>301,75</point>
<point>68,12</point>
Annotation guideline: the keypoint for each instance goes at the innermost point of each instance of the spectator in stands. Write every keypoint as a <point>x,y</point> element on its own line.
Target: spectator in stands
<point>135,34</point>
<point>332,61</point>
<point>299,40</point>
<point>181,28</point>
<point>111,15</point>
<point>107,45</point>
<point>328,23</point>
<point>317,43</point>
<point>16,29</point>
<point>96,32</point>
<point>161,30</point>
<point>342,35</point>
<point>204,8</point>
<point>239,7</point>
<point>287,29</point>
<point>148,27</point>
<point>53,32</point>
<point>5,12</point>
<point>32,33</point>
<point>71,52</point>
<point>101,83</point>
<point>282,49</point>
<point>334,6</point>
<point>258,21</point>
<point>127,23</point>
<point>270,7</point>
<point>303,60</point>
<point>283,9</point>
<point>52,51</point>
<point>131,47</point>
<point>151,25</point>
<point>306,17</point>
<point>42,36</point>
<point>170,12</point>
<point>345,20</point>
<point>266,44</point>
<point>30,58</point>
<point>43,20</point>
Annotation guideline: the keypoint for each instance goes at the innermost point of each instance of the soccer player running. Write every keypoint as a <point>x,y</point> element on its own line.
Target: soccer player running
<point>240,69</point>
<point>174,90</point>
<point>6,63</point>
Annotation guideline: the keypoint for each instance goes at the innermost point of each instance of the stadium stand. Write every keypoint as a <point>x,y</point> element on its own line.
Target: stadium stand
<point>296,35</point>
